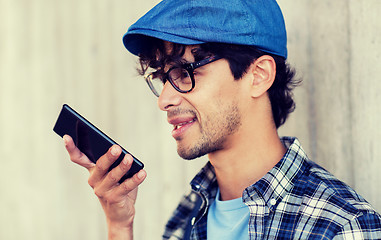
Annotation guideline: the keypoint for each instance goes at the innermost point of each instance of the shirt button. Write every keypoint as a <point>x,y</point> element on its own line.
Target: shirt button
<point>273,201</point>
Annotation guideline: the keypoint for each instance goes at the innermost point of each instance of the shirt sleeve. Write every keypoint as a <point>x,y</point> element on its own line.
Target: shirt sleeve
<point>364,226</point>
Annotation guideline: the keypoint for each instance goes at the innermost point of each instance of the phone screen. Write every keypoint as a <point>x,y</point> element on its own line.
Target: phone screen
<point>89,139</point>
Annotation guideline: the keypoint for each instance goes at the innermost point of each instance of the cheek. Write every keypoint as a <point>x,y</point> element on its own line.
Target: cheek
<point>212,103</point>
<point>215,90</point>
<point>220,88</point>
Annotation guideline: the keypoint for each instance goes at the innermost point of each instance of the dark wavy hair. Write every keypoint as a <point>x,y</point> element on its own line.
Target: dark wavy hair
<point>239,57</point>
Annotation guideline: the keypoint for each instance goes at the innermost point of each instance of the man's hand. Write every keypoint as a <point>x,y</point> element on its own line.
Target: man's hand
<point>117,200</point>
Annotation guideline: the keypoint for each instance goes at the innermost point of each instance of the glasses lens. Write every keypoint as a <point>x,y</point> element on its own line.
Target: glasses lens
<point>155,84</point>
<point>180,78</point>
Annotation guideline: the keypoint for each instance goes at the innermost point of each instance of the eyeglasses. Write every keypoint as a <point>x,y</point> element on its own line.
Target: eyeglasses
<point>181,77</point>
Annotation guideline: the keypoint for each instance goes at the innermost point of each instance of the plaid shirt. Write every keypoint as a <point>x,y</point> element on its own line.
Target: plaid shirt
<point>297,199</point>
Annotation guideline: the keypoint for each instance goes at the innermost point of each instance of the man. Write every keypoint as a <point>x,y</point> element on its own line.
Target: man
<point>220,73</point>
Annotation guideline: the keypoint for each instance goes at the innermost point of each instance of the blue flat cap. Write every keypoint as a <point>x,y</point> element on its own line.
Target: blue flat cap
<point>257,23</point>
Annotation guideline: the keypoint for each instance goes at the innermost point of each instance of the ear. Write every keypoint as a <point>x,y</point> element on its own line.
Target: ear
<point>263,71</point>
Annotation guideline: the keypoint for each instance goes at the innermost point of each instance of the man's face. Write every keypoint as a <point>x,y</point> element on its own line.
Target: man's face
<point>206,118</point>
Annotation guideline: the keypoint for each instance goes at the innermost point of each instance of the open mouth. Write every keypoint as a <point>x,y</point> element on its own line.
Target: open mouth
<point>180,125</point>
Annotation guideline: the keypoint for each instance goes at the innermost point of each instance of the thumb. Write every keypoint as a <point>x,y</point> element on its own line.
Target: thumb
<point>75,154</point>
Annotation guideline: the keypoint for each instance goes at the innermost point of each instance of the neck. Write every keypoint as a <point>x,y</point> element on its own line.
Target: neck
<point>246,158</point>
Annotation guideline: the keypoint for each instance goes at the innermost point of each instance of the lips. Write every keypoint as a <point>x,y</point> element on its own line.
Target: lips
<point>181,125</point>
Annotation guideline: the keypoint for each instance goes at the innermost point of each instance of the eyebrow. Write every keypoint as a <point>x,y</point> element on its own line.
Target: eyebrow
<point>179,63</point>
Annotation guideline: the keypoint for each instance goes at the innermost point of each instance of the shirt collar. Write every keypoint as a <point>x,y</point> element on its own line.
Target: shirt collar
<point>281,178</point>
<point>204,180</point>
<point>272,187</point>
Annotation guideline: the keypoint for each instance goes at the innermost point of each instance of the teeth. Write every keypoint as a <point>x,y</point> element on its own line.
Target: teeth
<point>182,124</point>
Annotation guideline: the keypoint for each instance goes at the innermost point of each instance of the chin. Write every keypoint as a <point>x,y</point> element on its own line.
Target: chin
<point>189,155</point>
<point>196,151</point>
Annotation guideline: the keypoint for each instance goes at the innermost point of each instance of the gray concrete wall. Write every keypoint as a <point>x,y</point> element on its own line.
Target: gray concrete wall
<point>55,52</point>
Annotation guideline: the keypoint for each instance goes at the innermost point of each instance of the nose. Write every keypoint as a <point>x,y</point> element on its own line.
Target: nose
<point>169,97</point>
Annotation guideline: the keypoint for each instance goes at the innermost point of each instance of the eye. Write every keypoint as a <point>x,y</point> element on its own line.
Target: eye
<point>178,74</point>
<point>184,74</point>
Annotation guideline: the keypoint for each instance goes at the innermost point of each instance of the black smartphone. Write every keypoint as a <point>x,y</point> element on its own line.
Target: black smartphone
<point>90,140</point>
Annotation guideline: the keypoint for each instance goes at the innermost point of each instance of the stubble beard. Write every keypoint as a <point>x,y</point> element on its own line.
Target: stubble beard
<point>213,134</point>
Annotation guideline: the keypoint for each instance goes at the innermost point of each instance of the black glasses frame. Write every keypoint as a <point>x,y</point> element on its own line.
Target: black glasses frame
<point>189,67</point>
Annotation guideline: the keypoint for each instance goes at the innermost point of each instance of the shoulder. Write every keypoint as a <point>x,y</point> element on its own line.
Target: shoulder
<point>321,185</point>
<point>365,225</point>
<point>329,205</point>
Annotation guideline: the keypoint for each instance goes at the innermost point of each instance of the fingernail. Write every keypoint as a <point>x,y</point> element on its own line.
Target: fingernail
<point>141,175</point>
<point>65,140</point>
<point>127,159</point>
<point>114,151</point>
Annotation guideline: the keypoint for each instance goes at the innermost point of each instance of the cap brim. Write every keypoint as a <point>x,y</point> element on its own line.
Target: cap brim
<point>136,41</point>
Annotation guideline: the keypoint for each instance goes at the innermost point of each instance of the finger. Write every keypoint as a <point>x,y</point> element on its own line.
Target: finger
<point>128,188</point>
<point>75,154</point>
<point>131,184</point>
<point>104,163</point>
<point>110,186</point>
<point>114,176</point>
